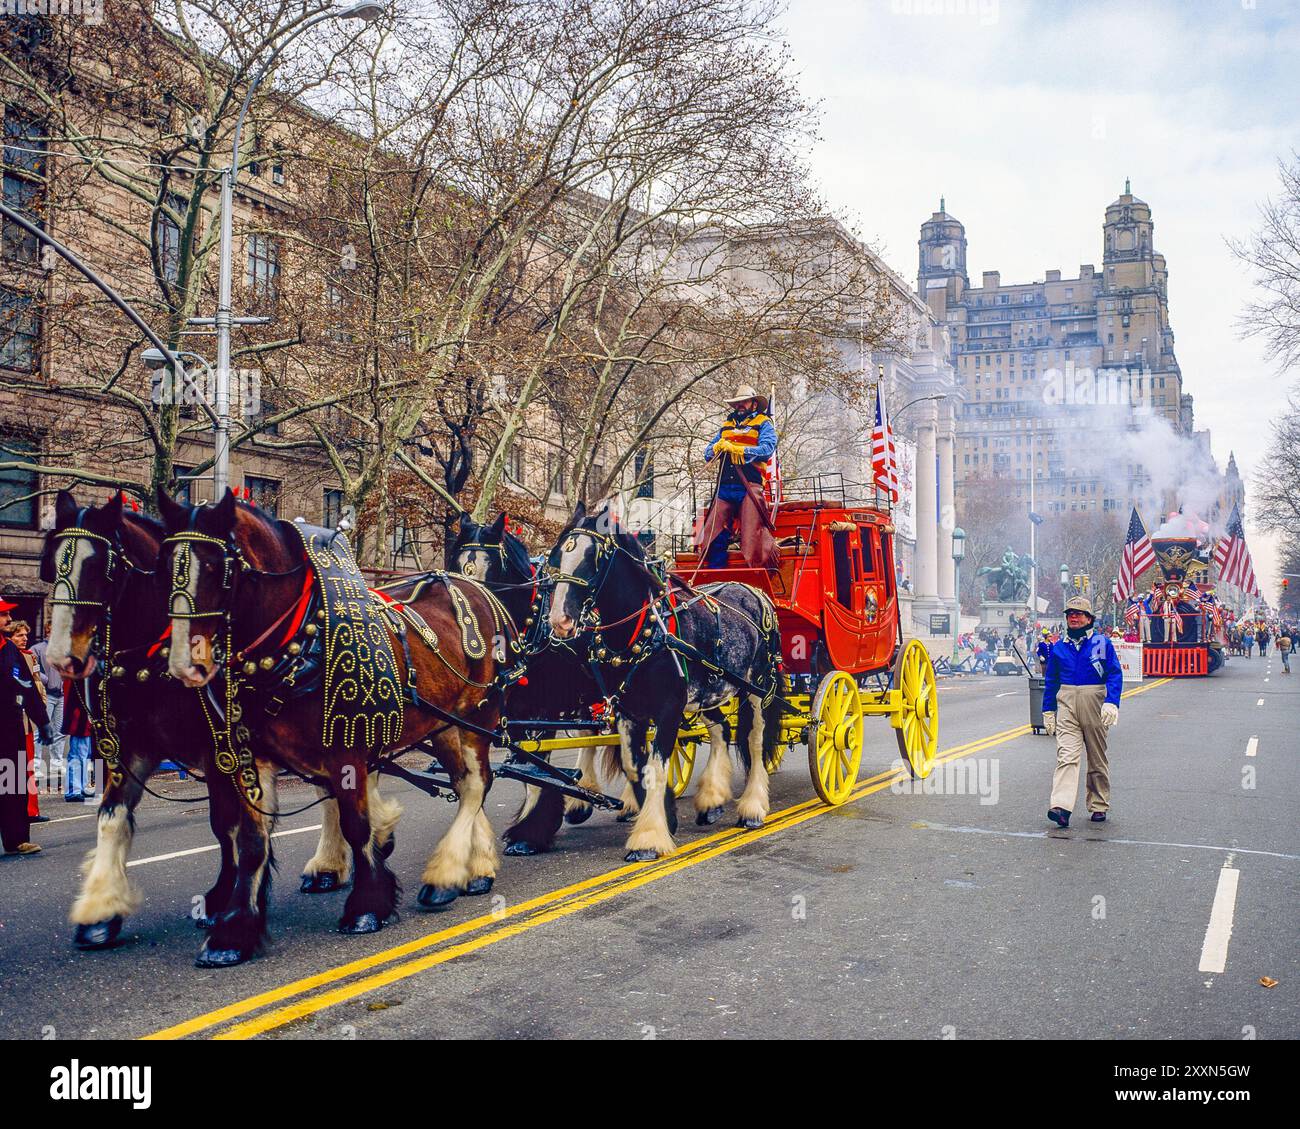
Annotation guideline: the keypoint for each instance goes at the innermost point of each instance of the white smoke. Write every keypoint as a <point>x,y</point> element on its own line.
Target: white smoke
<point>1169,471</point>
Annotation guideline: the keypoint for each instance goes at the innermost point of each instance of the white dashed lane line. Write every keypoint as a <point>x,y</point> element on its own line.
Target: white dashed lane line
<point>214,846</point>
<point>1214,952</point>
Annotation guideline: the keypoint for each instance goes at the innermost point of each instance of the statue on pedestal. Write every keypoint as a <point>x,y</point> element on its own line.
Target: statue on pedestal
<point>1011,577</point>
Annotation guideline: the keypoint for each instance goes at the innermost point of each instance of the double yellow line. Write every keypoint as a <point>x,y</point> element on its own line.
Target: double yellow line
<point>495,927</point>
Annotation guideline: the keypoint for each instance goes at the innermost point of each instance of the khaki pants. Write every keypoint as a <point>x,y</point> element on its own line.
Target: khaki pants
<point>1079,729</point>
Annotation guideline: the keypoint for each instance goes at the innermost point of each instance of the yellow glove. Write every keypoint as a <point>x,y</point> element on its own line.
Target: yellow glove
<point>737,453</point>
<point>1049,723</point>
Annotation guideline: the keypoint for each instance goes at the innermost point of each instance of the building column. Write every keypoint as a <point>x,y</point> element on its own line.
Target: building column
<point>925,580</point>
<point>947,511</point>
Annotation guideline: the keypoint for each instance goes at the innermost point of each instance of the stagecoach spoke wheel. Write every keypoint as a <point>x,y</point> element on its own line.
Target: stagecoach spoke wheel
<point>916,724</point>
<point>680,765</point>
<point>835,737</point>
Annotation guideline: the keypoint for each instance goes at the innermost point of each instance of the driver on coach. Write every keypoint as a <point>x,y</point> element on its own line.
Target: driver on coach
<point>1080,704</point>
<point>746,441</point>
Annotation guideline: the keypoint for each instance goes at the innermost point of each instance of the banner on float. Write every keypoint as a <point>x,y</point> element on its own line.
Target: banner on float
<point>1130,661</point>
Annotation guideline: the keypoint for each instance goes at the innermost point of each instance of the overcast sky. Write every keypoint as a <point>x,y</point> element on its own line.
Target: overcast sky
<point>1028,115</point>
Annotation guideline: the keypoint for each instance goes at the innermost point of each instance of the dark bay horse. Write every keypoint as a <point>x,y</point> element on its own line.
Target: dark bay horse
<point>237,576</point>
<point>658,647</point>
<point>557,683</point>
<point>107,629</point>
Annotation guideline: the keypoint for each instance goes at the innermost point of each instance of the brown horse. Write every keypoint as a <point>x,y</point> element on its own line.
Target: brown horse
<point>237,578</point>
<point>107,634</point>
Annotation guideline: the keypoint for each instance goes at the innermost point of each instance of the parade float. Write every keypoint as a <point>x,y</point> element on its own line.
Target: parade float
<point>1180,623</point>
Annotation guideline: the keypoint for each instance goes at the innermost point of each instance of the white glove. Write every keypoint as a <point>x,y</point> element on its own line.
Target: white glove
<point>1049,723</point>
<point>1109,715</point>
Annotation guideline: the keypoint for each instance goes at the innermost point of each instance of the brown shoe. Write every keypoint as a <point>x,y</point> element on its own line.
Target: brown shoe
<point>27,849</point>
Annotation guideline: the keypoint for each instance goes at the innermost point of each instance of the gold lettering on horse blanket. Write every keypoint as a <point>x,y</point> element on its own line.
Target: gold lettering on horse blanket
<point>363,696</point>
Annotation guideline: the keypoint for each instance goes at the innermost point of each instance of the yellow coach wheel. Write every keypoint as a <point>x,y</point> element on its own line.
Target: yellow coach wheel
<point>916,725</point>
<point>835,739</point>
<point>680,766</point>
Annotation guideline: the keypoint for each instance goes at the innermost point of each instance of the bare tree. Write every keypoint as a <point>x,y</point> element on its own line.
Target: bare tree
<point>1273,254</point>
<point>1275,505</point>
<point>126,125</point>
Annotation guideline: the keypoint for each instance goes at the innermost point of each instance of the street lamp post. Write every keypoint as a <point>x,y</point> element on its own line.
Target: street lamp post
<point>367,11</point>
<point>958,554</point>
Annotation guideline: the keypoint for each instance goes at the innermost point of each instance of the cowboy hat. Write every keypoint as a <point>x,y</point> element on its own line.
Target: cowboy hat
<point>747,392</point>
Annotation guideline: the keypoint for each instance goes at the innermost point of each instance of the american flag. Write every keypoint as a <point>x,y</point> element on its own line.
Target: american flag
<point>884,457</point>
<point>1138,557</point>
<point>1233,558</point>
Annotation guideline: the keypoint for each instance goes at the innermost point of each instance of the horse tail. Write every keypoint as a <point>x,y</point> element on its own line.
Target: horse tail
<point>610,762</point>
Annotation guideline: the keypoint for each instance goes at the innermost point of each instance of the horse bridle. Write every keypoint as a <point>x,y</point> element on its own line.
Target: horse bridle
<point>486,547</point>
<point>607,550</point>
<point>64,593</point>
<point>180,604</point>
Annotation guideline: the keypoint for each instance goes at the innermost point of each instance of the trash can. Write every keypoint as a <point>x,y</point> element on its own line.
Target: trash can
<point>1036,686</point>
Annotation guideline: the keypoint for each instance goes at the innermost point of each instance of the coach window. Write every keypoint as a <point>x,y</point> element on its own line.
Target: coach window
<point>870,552</point>
<point>842,558</point>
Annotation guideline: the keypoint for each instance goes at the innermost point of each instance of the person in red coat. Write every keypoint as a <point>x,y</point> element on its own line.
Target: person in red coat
<point>18,696</point>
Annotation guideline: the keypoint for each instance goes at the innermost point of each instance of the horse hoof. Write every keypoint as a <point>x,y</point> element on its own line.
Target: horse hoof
<point>522,847</point>
<point>435,897</point>
<point>627,816</point>
<point>219,958</point>
<point>641,856</point>
<point>362,923</point>
<point>709,816</point>
<point>387,848</point>
<point>98,934</point>
<point>207,921</point>
<point>323,883</point>
<point>749,823</point>
<point>479,885</point>
<point>578,815</point>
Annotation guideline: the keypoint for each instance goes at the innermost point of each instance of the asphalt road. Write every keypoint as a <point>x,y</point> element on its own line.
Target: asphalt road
<point>955,911</point>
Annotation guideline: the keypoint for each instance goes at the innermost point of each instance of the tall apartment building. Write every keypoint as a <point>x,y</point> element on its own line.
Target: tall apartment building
<point>1048,367</point>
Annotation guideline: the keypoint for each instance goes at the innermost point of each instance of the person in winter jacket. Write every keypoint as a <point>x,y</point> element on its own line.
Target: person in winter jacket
<point>19,698</point>
<point>1080,705</point>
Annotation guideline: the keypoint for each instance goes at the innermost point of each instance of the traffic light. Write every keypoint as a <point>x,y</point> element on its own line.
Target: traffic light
<point>1078,583</point>
<point>1285,584</point>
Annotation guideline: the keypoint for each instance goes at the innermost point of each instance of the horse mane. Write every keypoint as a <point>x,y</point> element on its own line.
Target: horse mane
<point>247,514</point>
<point>147,531</point>
<point>515,553</point>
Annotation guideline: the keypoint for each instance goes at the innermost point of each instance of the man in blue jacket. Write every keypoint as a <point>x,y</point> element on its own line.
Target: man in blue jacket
<point>1080,704</point>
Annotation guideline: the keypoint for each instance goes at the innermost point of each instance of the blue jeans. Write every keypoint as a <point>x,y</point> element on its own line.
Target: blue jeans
<point>78,760</point>
<point>715,555</point>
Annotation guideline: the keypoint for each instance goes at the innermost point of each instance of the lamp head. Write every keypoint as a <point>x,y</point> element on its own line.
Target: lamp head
<point>368,10</point>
